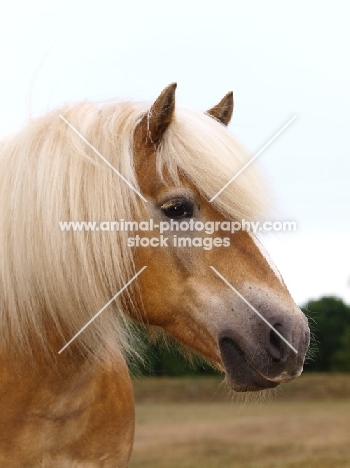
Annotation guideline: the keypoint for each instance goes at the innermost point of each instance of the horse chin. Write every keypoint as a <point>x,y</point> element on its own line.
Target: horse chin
<point>255,384</point>
<point>240,375</point>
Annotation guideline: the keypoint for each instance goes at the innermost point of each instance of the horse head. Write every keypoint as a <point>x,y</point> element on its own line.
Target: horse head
<point>253,330</point>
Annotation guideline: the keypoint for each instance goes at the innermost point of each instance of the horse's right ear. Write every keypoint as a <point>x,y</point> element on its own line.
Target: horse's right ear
<point>158,118</point>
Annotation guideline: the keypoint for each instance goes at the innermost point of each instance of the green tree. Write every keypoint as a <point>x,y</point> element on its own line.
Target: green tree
<point>330,325</point>
<point>342,356</point>
<point>162,356</point>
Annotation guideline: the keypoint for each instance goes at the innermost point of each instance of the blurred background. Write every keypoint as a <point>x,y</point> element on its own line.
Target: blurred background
<point>280,59</point>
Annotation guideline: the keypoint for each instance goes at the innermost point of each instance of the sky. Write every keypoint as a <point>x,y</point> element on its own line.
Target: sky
<point>279,58</point>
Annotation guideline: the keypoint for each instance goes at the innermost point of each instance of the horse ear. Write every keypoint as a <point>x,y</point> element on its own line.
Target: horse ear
<point>158,118</point>
<point>223,111</point>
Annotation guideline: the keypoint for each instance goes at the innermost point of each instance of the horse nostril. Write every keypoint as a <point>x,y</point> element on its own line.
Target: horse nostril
<point>276,345</point>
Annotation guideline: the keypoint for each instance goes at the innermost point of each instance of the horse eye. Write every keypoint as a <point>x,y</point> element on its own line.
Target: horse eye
<point>177,210</point>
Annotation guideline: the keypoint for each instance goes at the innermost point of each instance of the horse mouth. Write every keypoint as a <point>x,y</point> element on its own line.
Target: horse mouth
<point>241,375</point>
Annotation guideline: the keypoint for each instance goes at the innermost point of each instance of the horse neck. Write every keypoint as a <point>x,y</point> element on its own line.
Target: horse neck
<point>75,400</point>
<point>42,380</point>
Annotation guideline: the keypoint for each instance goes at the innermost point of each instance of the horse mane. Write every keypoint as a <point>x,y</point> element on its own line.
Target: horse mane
<point>53,282</point>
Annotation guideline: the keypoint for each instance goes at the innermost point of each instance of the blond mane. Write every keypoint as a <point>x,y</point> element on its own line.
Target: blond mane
<point>53,281</point>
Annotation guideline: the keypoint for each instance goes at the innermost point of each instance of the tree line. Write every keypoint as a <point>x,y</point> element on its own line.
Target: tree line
<point>329,320</point>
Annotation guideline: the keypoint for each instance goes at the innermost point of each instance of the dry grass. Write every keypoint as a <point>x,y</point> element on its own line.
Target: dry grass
<point>286,431</point>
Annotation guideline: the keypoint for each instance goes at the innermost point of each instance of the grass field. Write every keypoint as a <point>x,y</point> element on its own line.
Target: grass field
<point>191,423</point>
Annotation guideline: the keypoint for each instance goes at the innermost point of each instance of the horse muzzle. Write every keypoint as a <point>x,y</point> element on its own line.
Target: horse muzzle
<point>263,359</point>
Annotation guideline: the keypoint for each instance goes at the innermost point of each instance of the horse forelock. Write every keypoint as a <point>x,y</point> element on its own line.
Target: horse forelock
<point>208,155</point>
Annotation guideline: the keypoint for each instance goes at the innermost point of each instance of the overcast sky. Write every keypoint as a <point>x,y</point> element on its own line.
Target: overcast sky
<point>279,58</point>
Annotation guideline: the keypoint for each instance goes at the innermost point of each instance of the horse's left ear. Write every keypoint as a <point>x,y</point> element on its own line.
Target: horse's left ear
<point>223,111</point>
<point>158,118</point>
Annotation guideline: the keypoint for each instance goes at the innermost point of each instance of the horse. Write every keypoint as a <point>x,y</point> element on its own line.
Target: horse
<point>66,397</point>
